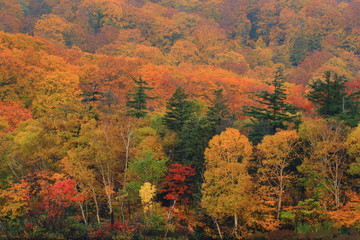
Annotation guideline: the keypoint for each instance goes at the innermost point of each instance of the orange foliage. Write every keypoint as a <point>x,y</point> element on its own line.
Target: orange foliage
<point>11,16</point>
<point>349,214</point>
<point>15,199</point>
<point>296,97</point>
<point>13,114</point>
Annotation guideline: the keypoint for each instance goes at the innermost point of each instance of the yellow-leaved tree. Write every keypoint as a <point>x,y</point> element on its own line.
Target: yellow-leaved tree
<point>147,193</point>
<point>326,159</point>
<point>227,184</point>
<point>276,153</point>
<point>353,148</point>
<point>348,215</point>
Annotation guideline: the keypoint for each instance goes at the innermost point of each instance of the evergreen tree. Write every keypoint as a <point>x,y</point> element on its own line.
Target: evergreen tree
<point>328,95</point>
<point>275,112</point>
<point>139,98</point>
<point>351,115</point>
<point>183,116</point>
<point>330,98</point>
<point>193,139</point>
<point>91,93</point>
<point>218,115</point>
<point>178,110</point>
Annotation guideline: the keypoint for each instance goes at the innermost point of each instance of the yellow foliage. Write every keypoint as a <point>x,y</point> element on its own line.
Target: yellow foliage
<point>326,159</point>
<point>53,27</point>
<point>227,186</point>
<point>276,152</point>
<point>277,148</point>
<point>349,214</point>
<point>15,200</point>
<point>147,192</point>
<point>227,148</point>
<point>353,142</point>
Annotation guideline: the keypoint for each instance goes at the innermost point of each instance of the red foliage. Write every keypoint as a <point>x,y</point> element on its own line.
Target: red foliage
<point>60,196</point>
<point>64,192</point>
<point>176,181</point>
<point>296,97</point>
<point>13,114</point>
<point>29,226</point>
<point>353,86</point>
<point>52,194</point>
<point>108,229</point>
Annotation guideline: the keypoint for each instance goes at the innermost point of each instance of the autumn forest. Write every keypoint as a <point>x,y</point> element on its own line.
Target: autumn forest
<point>180,119</point>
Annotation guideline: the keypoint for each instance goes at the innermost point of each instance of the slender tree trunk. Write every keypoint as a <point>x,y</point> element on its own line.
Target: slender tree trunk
<point>281,192</point>
<point>96,207</point>
<point>122,212</point>
<point>112,220</point>
<point>127,137</point>
<point>127,149</point>
<point>337,197</point>
<point>279,205</point>
<point>169,216</point>
<point>337,186</point>
<point>83,213</point>
<point>236,225</point>
<point>217,227</point>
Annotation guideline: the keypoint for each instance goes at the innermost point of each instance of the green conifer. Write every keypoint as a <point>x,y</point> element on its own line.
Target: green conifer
<point>218,115</point>
<point>139,98</point>
<point>275,112</point>
<point>331,99</point>
<point>178,110</point>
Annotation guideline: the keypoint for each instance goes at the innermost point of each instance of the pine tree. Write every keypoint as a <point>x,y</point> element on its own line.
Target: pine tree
<point>218,114</point>
<point>139,99</point>
<point>330,98</point>
<point>275,111</point>
<point>178,110</point>
<point>193,139</point>
<point>328,95</point>
<point>183,117</point>
<point>91,94</point>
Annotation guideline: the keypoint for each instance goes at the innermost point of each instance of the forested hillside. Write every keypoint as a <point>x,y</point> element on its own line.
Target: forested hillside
<point>179,119</point>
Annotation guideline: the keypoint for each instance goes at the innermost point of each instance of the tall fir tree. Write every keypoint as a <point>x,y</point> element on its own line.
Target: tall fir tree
<point>331,100</point>
<point>193,139</point>
<point>275,112</point>
<point>178,110</point>
<point>183,116</point>
<point>218,115</point>
<point>138,99</point>
<point>329,94</point>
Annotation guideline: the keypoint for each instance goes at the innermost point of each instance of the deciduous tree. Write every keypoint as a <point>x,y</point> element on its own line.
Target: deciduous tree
<point>276,154</point>
<point>227,184</point>
<point>326,159</point>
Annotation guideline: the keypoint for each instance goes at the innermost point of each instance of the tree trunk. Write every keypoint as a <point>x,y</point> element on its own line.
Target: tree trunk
<point>217,227</point>
<point>236,225</point>
<point>111,216</point>
<point>97,207</point>
<point>281,191</point>
<point>279,206</point>
<point>337,198</point>
<point>83,213</point>
<point>169,216</point>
